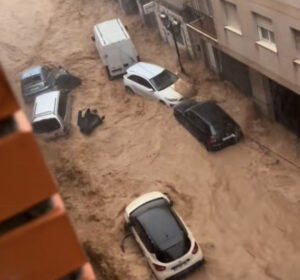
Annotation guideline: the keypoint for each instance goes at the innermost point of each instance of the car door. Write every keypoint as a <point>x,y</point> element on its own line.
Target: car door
<point>142,86</point>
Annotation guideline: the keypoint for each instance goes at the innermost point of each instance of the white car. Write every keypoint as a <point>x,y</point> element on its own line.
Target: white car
<point>52,114</point>
<point>166,242</point>
<point>152,81</point>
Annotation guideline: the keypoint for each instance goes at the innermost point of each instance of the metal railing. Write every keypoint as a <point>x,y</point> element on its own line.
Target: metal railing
<point>199,19</point>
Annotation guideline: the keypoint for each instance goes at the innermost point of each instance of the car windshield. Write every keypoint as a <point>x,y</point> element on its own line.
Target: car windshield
<point>164,80</point>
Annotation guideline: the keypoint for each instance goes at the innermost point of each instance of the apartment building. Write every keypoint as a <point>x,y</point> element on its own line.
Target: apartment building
<point>255,44</point>
<point>262,39</point>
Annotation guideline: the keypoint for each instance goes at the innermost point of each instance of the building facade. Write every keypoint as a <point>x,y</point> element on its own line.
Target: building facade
<point>255,44</point>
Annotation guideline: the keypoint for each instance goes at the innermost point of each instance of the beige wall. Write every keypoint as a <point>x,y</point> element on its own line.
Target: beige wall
<point>278,66</point>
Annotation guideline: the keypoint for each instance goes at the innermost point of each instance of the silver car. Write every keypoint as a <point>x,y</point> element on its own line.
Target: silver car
<point>40,79</point>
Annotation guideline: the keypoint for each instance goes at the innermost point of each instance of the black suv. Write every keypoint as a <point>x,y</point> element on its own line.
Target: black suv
<point>208,123</point>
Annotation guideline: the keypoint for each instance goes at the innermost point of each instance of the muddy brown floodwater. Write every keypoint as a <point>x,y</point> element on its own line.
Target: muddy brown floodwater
<point>242,204</point>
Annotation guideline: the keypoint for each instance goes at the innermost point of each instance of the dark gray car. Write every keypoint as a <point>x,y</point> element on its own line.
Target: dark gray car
<point>208,123</point>
<point>41,79</point>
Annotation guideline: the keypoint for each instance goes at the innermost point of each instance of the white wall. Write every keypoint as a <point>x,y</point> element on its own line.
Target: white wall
<point>279,66</point>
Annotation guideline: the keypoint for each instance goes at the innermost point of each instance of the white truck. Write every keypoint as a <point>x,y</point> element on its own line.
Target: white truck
<point>115,47</point>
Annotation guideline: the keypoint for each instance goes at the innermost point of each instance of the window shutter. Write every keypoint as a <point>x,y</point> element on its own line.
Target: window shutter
<point>297,38</point>
<point>264,22</point>
<point>231,13</point>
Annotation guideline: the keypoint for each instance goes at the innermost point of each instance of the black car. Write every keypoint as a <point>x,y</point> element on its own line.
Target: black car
<point>41,79</point>
<point>208,123</point>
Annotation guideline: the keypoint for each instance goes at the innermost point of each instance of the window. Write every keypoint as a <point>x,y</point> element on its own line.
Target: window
<point>265,32</point>
<point>233,23</point>
<point>297,39</point>
<point>144,83</point>
<point>62,104</point>
<point>296,34</point>
<point>266,35</point>
<point>140,81</point>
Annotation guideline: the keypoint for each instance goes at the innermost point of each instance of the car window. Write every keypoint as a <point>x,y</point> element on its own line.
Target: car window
<point>191,116</point>
<point>140,81</point>
<point>198,122</point>
<point>62,104</point>
<point>133,78</point>
<point>46,126</point>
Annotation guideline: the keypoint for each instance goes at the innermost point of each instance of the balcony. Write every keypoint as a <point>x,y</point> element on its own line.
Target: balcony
<point>199,20</point>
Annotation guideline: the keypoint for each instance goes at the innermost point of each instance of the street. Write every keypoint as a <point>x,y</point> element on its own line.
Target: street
<point>242,203</point>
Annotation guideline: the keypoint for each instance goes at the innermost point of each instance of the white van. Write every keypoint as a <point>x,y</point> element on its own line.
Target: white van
<point>52,114</point>
<point>115,47</point>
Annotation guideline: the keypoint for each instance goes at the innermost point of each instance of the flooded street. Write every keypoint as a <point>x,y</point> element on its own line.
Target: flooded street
<point>242,204</point>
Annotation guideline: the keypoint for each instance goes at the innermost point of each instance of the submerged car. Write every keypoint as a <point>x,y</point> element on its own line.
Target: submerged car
<point>166,242</point>
<point>152,81</point>
<point>52,114</point>
<point>40,79</point>
<point>208,123</point>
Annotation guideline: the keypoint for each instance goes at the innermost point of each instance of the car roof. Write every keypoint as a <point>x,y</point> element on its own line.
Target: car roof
<point>111,31</point>
<point>45,104</point>
<point>146,70</point>
<point>36,70</point>
<point>159,223</point>
<point>210,112</point>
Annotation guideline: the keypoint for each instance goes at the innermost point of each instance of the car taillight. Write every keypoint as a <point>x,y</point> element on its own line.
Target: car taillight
<point>212,140</point>
<point>195,249</point>
<point>159,267</point>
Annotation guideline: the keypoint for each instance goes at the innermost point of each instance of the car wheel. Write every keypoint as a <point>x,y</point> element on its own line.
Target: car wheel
<point>129,90</point>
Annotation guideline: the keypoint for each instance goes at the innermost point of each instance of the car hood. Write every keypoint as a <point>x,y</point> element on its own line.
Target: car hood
<point>170,93</point>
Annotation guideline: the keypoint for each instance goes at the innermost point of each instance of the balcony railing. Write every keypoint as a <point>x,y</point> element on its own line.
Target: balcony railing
<point>192,13</point>
<point>199,19</point>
